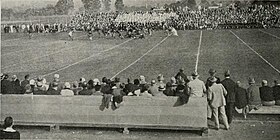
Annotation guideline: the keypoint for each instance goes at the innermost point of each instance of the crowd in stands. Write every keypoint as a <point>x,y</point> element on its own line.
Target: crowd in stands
<point>34,28</point>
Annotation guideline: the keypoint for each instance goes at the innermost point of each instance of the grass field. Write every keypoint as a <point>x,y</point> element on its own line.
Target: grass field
<point>246,52</point>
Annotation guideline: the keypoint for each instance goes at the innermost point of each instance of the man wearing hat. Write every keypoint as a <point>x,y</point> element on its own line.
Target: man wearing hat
<point>67,90</point>
<point>253,95</point>
<point>216,95</point>
<point>212,73</point>
<point>230,86</point>
<point>196,86</point>
<point>181,74</point>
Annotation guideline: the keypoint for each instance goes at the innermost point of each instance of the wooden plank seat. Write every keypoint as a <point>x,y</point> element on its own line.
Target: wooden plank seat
<point>264,110</point>
<point>85,111</point>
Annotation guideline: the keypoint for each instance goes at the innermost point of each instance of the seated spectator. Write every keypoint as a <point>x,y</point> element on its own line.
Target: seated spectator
<point>8,132</point>
<point>182,92</point>
<point>241,100</point>
<point>32,84</point>
<point>90,85</point>
<point>40,90</point>
<point>75,88</point>
<point>28,89</point>
<point>276,92</point>
<point>54,89</point>
<point>97,90</point>
<point>160,93</point>
<point>196,86</point>
<point>142,83</point>
<point>105,86</point>
<point>181,74</point>
<point>25,82</point>
<point>153,90</point>
<point>96,82</point>
<point>145,92</point>
<point>16,85</point>
<point>136,88</point>
<point>253,95</point>
<point>6,85</point>
<point>266,94</point>
<point>85,90</point>
<point>169,91</point>
<point>160,79</point>
<point>67,90</point>
<point>128,87</point>
<point>82,80</point>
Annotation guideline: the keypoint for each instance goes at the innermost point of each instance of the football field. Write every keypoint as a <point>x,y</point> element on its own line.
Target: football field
<point>245,52</point>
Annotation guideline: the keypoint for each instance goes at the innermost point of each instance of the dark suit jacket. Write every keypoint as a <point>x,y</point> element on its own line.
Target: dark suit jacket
<point>6,87</point>
<point>276,92</point>
<point>52,91</point>
<point>266,93</point>
<point>207,84</point>
<point>230,86</point>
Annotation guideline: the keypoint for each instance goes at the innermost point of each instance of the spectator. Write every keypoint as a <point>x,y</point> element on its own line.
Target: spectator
<point>182,92</point>
<point>25,81</point>
<point>105,86</point>
<point>90,85</point>
<point>54,89</point>
<point>169,91</point>
<point>96,82</point>
<point>135,88</point>
<point>197,87</point>
<point>75,88</point>
<point>128,87</point>
<point>216,95</point>
<point>153,90</point>
<point>254,95</point>
<point>82,80</point>
<point>40,90</point>
<point>241,99</point>
<point>28,89</point>
<point>145,92</point>
<point>85,90</point>
<point>97,90</point>
<point>276,92</point>
<point>230,87</point>
<point>16,85</point>
<point>181,74</point>
<point>8,132</point>
<point>142,82</point>
<point>212,74</point>
<point>161,88</point>
<point>266,94</point>
<point>6,85</point>
<point>67,90</point>
<point>32,84</point>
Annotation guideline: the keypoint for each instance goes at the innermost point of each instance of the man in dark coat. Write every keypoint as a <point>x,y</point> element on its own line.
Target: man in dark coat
<point>276,92</point>
<point>230,86</point>
<point>241,98</point>
<point>6,85</point>
<point>182,75</point>
<point>25,82</point>
<point>53,90</point>
<point>266,94</point>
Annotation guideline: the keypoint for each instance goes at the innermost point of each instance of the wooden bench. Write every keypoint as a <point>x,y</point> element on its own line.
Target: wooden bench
<point>84,111</point>
<point>267,110</point>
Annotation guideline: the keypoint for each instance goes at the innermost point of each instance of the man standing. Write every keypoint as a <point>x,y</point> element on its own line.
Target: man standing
<point>197,87</point>
<point>230,86</point>
<point>216,95</point>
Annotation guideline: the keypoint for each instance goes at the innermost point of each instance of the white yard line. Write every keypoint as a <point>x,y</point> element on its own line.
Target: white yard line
<point>85,59</point>
<point>269,34</point>
<point>198,52</point>
<point>140,57</point>
<point>256,52</point>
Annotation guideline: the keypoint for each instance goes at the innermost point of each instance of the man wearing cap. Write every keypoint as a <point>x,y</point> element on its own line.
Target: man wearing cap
<point>216,95</point>
<point>266,94</point>
<point>276,92</point>
<point>196,86</point>
<point>230,86</point>
<point>253,95</point>
<point>212,73</point>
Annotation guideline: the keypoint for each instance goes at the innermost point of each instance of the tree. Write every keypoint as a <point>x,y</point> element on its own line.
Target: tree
<point>119,5</point>
<point>64,6</point>
<point>92,5</point>
<point>107,4</point>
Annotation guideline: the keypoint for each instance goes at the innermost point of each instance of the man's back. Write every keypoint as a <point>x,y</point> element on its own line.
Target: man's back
<point>230,86</point>
<point>254,95</point>
<point>85,92</point>
<point>266,93</point>
<point>216,95</point>
<point>197,88</point>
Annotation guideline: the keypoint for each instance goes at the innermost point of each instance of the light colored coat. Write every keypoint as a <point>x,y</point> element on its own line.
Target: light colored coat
<point>216,95</point>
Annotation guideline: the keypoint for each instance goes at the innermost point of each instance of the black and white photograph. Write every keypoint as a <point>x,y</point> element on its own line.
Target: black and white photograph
<point>140,69</point>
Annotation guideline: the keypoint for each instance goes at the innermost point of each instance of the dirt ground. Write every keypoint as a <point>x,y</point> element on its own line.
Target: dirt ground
<point>262,128</point>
